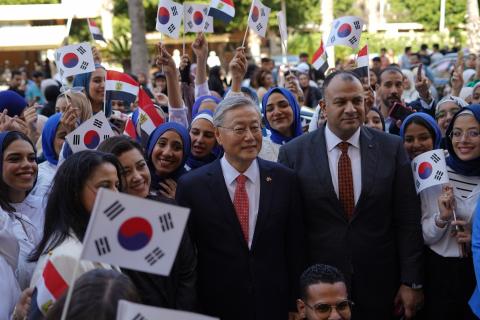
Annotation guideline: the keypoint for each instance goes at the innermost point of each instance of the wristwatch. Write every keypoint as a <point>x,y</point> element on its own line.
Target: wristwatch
<point>414,286</point>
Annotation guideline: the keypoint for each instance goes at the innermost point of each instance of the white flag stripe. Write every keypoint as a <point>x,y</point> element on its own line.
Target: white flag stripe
<point>127,310</point>
<point>429,169</point>
<point>282,25</point>
<point>317,64</point>
<point>133,238</point>
<point>362,62</point>
<point>145,122</point>
<point>113,85</point>
<point>95,30</point>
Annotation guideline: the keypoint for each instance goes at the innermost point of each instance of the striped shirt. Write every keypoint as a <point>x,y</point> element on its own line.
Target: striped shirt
<point>463,185</point>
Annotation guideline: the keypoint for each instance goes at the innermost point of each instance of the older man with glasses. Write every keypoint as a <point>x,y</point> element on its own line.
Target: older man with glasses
<point>246,222</point>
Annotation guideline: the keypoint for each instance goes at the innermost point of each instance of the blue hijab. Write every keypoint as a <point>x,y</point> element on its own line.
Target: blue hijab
<point>433,126</point>
<point>466,168</point>
<point>83,80</point>
<point>198,103</point>
<point>48,138</point>
<point>13,102</point>
<point>152,141</point>
<point>296,127</point>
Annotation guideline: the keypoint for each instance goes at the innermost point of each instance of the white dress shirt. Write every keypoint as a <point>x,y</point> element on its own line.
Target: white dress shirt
<point>334,154</point>
<point>252,186</point>
<point>467,192</point>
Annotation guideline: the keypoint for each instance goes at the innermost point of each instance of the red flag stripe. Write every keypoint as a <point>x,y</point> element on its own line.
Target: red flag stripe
<point>363,51</point>
<point>229,2</point>
<point>318,53</point>
<point>130,129</point>
<point>120,76</point>
<point>54,281</point>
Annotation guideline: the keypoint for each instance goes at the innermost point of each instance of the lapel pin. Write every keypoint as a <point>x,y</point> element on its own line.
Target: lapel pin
<point>269,179</point>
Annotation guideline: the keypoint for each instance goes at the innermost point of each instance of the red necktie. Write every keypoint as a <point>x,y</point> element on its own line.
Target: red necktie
<point>345,180</point>
<point>240,202</point>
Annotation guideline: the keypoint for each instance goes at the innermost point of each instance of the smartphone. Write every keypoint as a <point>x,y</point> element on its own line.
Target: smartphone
<point>399,111</point>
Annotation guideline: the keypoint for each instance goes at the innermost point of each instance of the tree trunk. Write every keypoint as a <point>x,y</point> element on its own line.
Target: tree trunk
<point>473,25</point>
<point>139,51</point>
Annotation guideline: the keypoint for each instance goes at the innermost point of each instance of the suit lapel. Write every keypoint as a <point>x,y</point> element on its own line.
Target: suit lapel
<point>266,194</point>
<point>319,158</point>
<point>224,202</point>
<point>369,156</point>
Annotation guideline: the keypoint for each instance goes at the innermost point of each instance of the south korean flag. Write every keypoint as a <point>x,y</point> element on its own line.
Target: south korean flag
<point>169,18</point>
<point>258,18</point>
<point>74,59</point>
<point>90,133</point>
<point>346,31</point>
<point>429,169</point>
<point>134,233</point>
<point>196,18</point>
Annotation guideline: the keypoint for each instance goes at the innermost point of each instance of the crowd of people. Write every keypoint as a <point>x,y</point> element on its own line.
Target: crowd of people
<point>290,218</point>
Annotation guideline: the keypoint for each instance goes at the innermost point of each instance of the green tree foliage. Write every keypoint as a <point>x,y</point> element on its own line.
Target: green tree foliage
<point>3,2</point>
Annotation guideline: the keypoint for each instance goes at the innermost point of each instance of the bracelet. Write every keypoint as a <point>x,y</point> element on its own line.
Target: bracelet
<point>440,220</point>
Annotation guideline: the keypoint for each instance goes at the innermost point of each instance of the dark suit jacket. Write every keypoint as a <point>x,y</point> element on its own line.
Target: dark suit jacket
<point>382,244</point>
<point>235,283</point>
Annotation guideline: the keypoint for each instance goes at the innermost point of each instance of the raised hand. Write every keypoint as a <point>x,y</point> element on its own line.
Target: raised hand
<point>165,60</point>
<point>238,68</point>
<point>200,47</point>
<point>421,85</point>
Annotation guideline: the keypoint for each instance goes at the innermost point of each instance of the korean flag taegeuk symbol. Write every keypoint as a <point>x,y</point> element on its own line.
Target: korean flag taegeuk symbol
<point>134,233</point>
<point>90,134</point>
<point>346,31</point>
<point>196,18</point>
<point>74,59</point>
<point>429,169</point>
<point>169,18</point>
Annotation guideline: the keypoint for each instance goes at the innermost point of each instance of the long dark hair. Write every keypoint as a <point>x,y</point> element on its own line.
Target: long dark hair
<point>6,139</point>
<point>96,292</point>
<point>118,145</point>
<point>65,212</point>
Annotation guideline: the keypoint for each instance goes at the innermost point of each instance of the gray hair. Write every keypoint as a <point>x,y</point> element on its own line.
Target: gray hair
<point>229,104</point>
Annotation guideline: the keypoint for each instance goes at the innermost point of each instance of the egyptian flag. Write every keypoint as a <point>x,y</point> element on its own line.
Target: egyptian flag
<point>130,129</point>
<point>146,118</point>
<point>222,10</point>
<point>50,287</point>
<point>319,60</point>
<point>362,63</point>
<point>120,86</point>
<point>95,31</point>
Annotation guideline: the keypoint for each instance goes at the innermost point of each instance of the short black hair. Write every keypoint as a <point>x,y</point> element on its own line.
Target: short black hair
<point>389,69</point>
<point>118,145</point>
<point>436,46</point>
<point>319,273</point>
<point>346,75</point>
<point>16,73</point>
<point>424,46</point>
<point>266,60</point>
<point>37,74</point>
<point>407,49</point>
<point>376,59</point>
<point>303,55</point>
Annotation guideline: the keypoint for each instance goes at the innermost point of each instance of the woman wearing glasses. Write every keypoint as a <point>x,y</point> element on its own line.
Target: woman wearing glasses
<point>168,148</point>
<point>447,213</point>
<point>281,113</point>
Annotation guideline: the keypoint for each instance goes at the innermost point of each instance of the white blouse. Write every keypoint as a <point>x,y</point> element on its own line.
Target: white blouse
<point>269,150</point>
<point>46,173</point>
<point>467,192</point>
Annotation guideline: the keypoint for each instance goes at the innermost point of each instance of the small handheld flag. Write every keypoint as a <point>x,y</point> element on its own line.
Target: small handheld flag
<point>222,10</point>
<point>169,18</point>
<point>90,133</point>
<point>95,31</point>
<point>319,59</point>
<point>282,26</point>
<point>258,18</point>
<point>362,63</point>
<point>346,31</point>
<point>196,18</point>
<point>134,233</point>
<point>74,59</point>
<point>429,169</point>
<point>127,310</point>
<point>146,118</point>
<point>120,86</point>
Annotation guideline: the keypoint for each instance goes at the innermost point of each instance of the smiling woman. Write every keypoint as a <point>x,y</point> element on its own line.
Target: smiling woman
<point>22,211</point>
<point>420,134</point>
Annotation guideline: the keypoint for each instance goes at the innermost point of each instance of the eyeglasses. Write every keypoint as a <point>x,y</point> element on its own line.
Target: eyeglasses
<point>457,135</point>
<point>243,131</point>
<point>325,309</point>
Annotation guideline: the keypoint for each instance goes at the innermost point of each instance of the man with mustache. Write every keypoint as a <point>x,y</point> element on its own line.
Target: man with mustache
<point>390,90</point>
<point>245,221</point>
